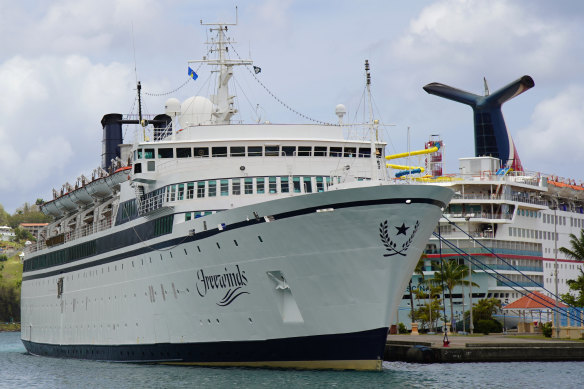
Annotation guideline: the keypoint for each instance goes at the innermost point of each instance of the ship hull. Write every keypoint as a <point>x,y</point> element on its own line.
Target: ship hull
<point>305,282</point>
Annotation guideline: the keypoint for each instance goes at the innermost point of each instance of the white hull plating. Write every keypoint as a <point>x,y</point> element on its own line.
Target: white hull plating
<point>328,263</point>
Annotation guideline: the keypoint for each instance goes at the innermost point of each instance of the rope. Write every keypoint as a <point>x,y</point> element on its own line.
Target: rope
<point>277,98</point>
<point>524,291</point>
<point>170,92</point>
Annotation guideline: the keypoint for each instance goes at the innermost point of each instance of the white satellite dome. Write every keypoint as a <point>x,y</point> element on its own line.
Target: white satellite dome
<point>172,107</point>
<point>195,111</point>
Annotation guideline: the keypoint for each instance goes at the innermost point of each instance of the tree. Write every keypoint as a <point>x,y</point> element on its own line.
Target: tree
<point>484,309</point>
<point>419,270</point>
<point>577,250</point>
<point>577,286</point>
<point>452,275</point>
<point>20,234</point>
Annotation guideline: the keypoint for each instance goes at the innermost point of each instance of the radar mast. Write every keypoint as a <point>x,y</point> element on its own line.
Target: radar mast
<point>219,45</point>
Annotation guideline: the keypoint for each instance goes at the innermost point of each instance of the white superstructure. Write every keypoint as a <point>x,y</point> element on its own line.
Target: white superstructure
<point>227,244</point>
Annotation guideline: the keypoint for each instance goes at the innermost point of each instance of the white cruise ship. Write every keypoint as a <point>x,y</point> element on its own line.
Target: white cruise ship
<point>518,219</point>
<point>212,243</point>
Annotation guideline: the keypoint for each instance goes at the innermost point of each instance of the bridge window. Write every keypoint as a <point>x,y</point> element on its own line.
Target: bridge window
<point>201,151</point>
<point>219,152</point>
<point>365,152</point>
<point>350,152</point>
<point>254,151</point>
<point>319,151</point>
<point>289,151</point>
<point>304,151</point>
<point>148,153</point>
<point>237,151</point>
<point>336,152</point>
<point>272,151</point>
<point>183,152</point>
<point>165,153</point>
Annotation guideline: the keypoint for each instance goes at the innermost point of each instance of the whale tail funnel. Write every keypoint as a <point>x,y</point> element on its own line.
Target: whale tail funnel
<point>491,135</point>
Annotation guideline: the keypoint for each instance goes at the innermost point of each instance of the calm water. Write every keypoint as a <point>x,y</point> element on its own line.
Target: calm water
<point>19,370</point>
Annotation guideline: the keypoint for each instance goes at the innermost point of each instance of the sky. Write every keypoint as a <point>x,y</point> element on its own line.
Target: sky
<point>66,63</point>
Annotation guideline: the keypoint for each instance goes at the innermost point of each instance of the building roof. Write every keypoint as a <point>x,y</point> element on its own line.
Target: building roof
<point>534,300</point>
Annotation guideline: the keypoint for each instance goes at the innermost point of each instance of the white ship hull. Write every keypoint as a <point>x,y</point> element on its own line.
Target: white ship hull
<point>308,281</point>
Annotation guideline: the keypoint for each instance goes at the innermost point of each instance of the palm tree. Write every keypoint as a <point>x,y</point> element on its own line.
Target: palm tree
<point>451,275</point>
<point>577,251</point>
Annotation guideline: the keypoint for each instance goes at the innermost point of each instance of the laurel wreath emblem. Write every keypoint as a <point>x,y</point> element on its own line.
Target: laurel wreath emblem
<point>390,245</point>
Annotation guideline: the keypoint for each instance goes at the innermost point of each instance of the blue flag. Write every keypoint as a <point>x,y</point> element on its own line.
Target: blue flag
<point>192,74</point>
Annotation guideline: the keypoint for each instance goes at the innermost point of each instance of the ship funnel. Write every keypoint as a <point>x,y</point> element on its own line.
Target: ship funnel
<point>491,135</point>
<point>112,138</point>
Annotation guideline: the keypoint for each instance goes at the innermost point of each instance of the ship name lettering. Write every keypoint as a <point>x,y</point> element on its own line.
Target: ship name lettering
<point>220,281</point>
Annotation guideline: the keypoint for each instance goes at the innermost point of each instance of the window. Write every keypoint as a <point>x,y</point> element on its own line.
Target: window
<point>289,151</point>
<point>304,151</point>
<point>236,186</point>
<point>307,185</point>
<point>296,184</point>
<point>219,151</point>
<point>336,152</point>
<point>365,152</point>
<point>273,184</point>
<point>254,151</point>
<point>320,151</point>
<point>187,216</point>
<point>171,193</point>
<point>379,152</point>
<point>319,184</point>
<point>248,186</point>
<point>237,151</point>
<point>151,166</point>
<point>140,153</point>
<point>165,153</point>
<point>183,152</point>
<point>284,188</point>
<point>350,152</point>
<point>272,151</point>
<point>260,185</point>
<point>148,153</point>
<point>190,190</point>
<point>200,189</point>
<point>181,191</point>
<point>224,187</point>
<point>201,151</point>
<point>212,188</point>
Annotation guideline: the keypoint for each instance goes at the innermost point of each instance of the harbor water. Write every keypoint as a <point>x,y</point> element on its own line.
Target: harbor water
<point>21,370</point>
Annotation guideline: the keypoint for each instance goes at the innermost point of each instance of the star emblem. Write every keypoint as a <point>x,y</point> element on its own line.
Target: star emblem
<point>402,229</point>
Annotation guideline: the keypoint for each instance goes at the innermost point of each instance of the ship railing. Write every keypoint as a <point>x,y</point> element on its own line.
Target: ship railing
<point>515,197</point>
<point>72,235</point>
<point>480,215</point>
<point>88,230</point>
<point>151,202</point>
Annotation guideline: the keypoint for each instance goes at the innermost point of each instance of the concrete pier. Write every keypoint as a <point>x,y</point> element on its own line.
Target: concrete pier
<point>489,348</point>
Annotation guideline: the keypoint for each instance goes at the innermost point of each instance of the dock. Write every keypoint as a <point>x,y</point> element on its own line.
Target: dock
<point>488,348</point>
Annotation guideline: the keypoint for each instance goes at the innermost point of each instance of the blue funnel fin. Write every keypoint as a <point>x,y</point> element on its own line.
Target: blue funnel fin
<point>491,135</point>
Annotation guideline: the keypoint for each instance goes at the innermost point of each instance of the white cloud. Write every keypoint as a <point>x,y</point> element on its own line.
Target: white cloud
<point>51,110</point>
<point>554,133</point>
